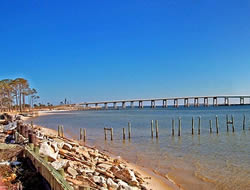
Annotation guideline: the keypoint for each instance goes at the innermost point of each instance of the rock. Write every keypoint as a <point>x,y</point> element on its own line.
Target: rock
<point>46,150</point>
<point>104,166</point>
<point>127,175</point>
<point>72,172</point>
<point>100,180</point>
<point>105,173</point>
<point>84,153</point>
<point>123,185</point>
<point>75,149</point>
<point>111,184</point>
<point>54,145</point>
<point>67,146</point>
<point>63,152</point>
<point>60,143</point>
<point>58,164</point>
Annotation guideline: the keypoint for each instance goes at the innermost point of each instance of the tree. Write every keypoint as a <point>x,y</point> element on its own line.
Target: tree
<point>15,91</point>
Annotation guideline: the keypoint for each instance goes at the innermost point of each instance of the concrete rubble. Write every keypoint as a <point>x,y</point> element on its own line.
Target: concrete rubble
<point>83,165</point>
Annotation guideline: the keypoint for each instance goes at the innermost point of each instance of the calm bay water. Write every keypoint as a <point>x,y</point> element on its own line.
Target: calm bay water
<point>205,161</point>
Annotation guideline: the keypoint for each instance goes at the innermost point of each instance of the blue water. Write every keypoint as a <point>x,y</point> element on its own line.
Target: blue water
<point>205,161</point>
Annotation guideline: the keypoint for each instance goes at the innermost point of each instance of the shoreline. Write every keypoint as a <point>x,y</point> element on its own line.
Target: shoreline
<point>154,180</point>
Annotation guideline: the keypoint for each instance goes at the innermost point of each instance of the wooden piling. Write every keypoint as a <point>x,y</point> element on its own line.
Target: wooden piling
<point>244,122</point>
<point>199,126</point>
<point>123,132</point>
<point>227,121</point>
<point>129,130</point>
<point>173,126</point>
<point>84,135</point>
<point>105,134</point>
<point>81,134</point>
<point>232,123</point>
<point>179,130</point>
<point>152,129</point>
<point>59,130</point>
<point>156,129</point>
<point>217,125</point>
<point>210,123</point>
<point>192,125</point>
<point>62,131</point>
<point>111,134</point>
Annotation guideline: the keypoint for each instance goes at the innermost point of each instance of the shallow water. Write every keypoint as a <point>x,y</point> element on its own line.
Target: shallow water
<point>205,161</point>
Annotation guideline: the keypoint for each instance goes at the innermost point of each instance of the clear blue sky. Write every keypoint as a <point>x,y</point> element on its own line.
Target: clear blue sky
<point>102,50</point>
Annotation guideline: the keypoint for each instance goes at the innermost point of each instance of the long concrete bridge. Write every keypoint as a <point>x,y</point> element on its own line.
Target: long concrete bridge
<point>197,101</point>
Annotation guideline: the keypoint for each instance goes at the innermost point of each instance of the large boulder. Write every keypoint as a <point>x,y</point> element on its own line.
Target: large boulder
<point>47,150</point>
<point>126,175</point>
<point>58,164</point>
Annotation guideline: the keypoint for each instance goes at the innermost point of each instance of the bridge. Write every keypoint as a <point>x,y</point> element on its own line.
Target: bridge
<point>197,101</point>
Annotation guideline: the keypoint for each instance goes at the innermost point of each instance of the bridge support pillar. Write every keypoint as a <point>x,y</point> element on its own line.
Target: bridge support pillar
<point>132,104</point>
<point>226,101</point>
<point>140,104</point>
<point>124,105</point>
<point>87,105</point>
<point>106,106</point>
<point>114,105</point>
<point>186,104</point>
<point>176,103</point>
<point>242,101</point>
<point>196,102</point>
<point>152,103</point>
<point>206,102</point>
<point>164,103</point>
<point>96,105</point>
<point>215,101</point>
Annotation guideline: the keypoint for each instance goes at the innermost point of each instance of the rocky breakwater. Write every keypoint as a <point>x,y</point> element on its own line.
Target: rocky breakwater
<point>84,166</point>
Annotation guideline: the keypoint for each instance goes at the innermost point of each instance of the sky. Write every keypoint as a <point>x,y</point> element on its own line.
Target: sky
<point>109,50</point>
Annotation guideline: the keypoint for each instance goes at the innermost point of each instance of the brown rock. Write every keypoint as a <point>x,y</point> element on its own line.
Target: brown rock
<point>72,172</point>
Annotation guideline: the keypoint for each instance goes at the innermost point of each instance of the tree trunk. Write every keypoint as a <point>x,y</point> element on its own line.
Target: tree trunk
<point>20,100</point>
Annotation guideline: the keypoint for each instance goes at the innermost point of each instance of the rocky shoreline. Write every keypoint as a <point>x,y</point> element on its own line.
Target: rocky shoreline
<point>81,165</point>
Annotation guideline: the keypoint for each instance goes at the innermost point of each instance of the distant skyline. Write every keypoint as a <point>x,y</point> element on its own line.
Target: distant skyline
<point>105,50</point>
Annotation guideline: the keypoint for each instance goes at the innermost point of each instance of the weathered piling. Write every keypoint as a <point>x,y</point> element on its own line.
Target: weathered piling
<point>112,132</point>
<point>173,126</point>
<point>156,129</point>
<point>84,135</point>
<point>199,126</point>
<point>62,131</point>
<point>152,129</point>
<point>129,130</point>
<point>192,125</point>
<point>217,125</point>
<point>123,133</point>
<point>59,130</point>
<point>81,134</point>
<point>210,124</point>
<point>244,123</point>
<point>31,123</point>
<point>227,122</point>
<point>179,130</point>
<point>232,123</point>
<point>105,134</point>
